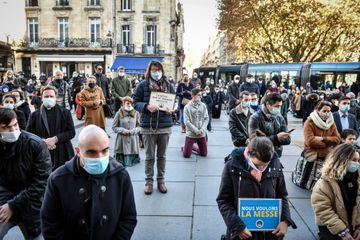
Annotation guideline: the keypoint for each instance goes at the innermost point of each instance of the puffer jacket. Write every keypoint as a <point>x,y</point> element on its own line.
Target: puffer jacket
<point>271,126</point>
<point>238,126</point>
<point>196,118</point>
<point>272,185</point>
<point>141,101</point>
<point>24,169</point>
<point>329,208</point>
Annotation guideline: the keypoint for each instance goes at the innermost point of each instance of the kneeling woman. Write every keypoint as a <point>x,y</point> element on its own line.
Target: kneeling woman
<point>336,195</point>
<point>253,172</point>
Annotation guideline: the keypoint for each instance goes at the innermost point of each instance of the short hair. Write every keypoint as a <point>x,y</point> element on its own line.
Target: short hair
<point>49,87</point>
<point>272,98</point>
<point>243,93</point>
<point>347,132</point>
<point>195,91</point>
<point>127,99</point>
<point>253,94</point>
<point>260,147</point>
<point>6,116</point>
<point>58,71</point>
<point>343,98</point>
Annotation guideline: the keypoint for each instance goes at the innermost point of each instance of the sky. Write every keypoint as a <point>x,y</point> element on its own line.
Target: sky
<point>200,24</point>
<point>11,20</point>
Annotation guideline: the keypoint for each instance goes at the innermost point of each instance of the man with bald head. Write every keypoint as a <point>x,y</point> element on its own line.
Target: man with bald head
<point>91,196</point>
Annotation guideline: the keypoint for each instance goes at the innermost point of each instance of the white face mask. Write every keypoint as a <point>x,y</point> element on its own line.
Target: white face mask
<point>9,106</point>
<point>121,74</point>
<point>236,81</point>
<point>252,165</point>
<point>128,108</point>
<point>157,75</point>
<point>49,102</point>
<point>10,137</point>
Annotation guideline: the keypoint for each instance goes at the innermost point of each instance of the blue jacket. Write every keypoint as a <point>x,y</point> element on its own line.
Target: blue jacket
<point>183,91</point>
<point>141,100</point>
<point>208,102</point>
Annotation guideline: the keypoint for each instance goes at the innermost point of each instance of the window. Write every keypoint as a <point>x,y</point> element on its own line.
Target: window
<point>33,3</point>
<point>94,31</point>
<point>33,30</point>
<point>126,5</point>
<point>62,2</point>
<point>151,35</point>
<point>94,2</point>
<point>125,35</point>
<point>63,29</point>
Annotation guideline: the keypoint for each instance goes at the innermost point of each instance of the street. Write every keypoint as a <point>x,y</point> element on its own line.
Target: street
<point>189,209</point>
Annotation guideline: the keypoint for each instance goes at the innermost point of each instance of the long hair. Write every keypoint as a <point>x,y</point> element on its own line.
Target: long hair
<point>337,161</point>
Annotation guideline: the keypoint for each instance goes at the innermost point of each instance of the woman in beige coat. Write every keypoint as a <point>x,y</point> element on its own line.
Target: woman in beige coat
<point>92,99</point>
<point>336,196</point>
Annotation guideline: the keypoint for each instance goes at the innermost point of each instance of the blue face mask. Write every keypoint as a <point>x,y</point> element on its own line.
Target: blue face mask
<point>275,111</point>
<point>353,166</point>
<point>157,75</point>
<point>254,104</point>
<point>344,108</point>
<point>96,166</point>
<point>246,104</point>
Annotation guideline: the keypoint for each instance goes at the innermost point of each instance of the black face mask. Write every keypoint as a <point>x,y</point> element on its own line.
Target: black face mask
<point>92,85</point>
<point>58,80</point>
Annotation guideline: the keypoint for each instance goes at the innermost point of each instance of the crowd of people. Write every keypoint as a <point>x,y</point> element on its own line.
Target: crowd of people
<point>50,189</point>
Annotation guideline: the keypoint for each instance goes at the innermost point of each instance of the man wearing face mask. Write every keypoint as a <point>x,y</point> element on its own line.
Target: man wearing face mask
<point>91,196</point>
<point>250,85</point>
<point>195,80</point>
<point>63,98</point>
<point>354,105</point>
<point>343,119</point>
<point>269,121</point>
<point>55,126</point>
<point>24,170</point>
<point>233,92</point>
<point>120,88</point>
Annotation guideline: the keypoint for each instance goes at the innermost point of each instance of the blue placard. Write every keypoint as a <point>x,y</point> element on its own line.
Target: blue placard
<point>260,214</point>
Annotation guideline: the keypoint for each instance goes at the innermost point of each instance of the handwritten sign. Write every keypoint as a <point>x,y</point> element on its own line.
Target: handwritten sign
<point>260,214</point>
<point>162,100</point>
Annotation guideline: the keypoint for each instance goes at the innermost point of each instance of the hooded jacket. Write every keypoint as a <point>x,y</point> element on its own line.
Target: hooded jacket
<point>237,182</point>
<point>78,205</point>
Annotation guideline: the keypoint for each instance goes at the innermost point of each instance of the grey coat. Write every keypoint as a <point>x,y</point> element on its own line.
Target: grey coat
<point>123,121</point>
<point>196,118</point>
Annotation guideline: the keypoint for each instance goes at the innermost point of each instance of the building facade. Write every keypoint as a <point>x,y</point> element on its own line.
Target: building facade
<point>148,30</point>
<point>71,35</point>
<point>6,58</point>
<point>75,35</point>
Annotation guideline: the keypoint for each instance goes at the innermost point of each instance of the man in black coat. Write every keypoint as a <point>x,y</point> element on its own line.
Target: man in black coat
<point>238,120</point>
<point>25,166</point>
<point>250,85</point>
<point>343,119</point>
<point>55,126</point>
<point>269,121</point>
<point>91,196</point>
<point>233,92</point>
<point>102,81</point>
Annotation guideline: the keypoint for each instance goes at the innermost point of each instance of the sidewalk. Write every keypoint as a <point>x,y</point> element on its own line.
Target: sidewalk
<point>189,210</point>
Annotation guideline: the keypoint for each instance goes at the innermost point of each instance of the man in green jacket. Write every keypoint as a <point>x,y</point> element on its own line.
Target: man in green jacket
<point>120,87</point>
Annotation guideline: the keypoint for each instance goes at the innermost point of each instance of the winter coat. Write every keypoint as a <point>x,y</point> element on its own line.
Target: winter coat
<point>63,96</point>
<point>124,120</point>
<point>250,87</point>
<point>24,169</point>
<point>208,101</point>
<point>141,100</point>
<point>238,126</point>
<point>355,109</point>
<point>331,138</point>
<point>24,107</point>
<point>271,126</point>
<point>120,87</point>
<point>65,131</point>
<point>233,93</point>
<point>353,124</point>
<point>183,91</point>
<point>272,185</point>
<point>196,118</point>
<point>309,105</point>
<point>21,119</point>
<point>81,206</point>
<point>103,83</point>
<point>329,208</point>
<point>93,114</point>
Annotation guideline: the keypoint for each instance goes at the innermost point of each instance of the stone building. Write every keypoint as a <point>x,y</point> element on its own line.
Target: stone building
<point>71,35</point>
<point>6,58</point>
<point>146,30</point>
<point>74,35</point>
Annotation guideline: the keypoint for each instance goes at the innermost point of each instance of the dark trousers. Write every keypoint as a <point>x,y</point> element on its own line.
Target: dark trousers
<point>325,234</point>
<point>209,128</point>
<point>201,147</point>
<point>117,104</point>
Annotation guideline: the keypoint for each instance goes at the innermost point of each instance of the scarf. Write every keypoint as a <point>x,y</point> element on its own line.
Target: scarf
<point>159,86</point>
<point>319,122</point>
<point>124,113</point>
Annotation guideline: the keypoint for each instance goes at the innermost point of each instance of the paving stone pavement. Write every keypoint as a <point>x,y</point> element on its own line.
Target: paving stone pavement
<point>189,210</point>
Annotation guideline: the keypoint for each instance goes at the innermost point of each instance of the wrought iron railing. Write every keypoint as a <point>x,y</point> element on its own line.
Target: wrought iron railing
<point>146,49</point>
<point>60,3</point>
<point>69,43</point>
<point>125,48</point>
<point>32,3</point>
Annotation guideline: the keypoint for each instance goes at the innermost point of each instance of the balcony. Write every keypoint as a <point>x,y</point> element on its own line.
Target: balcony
<point>123,49</point>
<point>150,49</point>
<point>68,43</point>
<point>93,5</point>
<point>32,5</point>
<point>62,5</point>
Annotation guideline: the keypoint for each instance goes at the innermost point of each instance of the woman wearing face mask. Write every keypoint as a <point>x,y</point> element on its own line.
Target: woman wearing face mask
<point>183,91</point>
<point>21,103</point>
<point>336,196</point>
<point>125,125</point>
<point>155,124</point>
<point>9,102</point>
<point>320,135</point>
<point>92,99</point>
<point>254,171</point>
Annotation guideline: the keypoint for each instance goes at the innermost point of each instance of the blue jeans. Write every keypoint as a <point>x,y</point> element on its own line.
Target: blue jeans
<point>182,117</point>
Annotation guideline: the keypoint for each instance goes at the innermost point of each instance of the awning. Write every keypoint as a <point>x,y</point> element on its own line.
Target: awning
<point>134,65</point>
<point>70,58</point>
